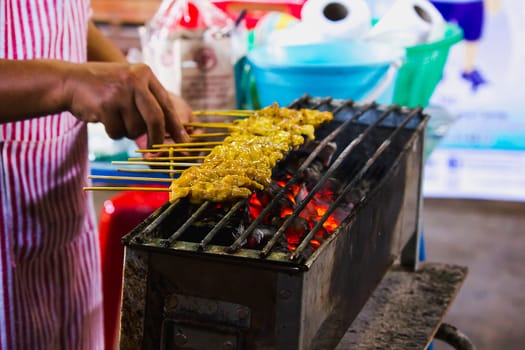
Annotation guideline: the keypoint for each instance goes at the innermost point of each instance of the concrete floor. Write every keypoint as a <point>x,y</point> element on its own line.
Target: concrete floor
<point>489,238</point>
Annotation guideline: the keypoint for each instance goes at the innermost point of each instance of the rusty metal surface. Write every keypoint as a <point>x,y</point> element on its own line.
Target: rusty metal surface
<point>406,309</point>
<point>134,299</point>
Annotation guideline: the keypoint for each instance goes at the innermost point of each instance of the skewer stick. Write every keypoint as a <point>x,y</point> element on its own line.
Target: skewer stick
<point>169,158</point>
<point>187,144</point>
<point>209,134</point>
<point>162,171</point>
<point>126,188</point>
<point>157,150</point>
<point>224,113</point>
<point>155,163</point>
<point>132,178</point>
<point>212,125</point>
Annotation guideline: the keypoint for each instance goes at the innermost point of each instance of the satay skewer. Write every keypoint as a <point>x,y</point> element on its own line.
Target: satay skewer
<point>211,125</point>
<point>224,113</point>
<point>167,158</point>
<point>157,150</point>
<point>176,164</point>
<point>126,188</point>
<point>187,144</point>
<point>131,178</point>
<point>209,134</point>
<point>161,171</point>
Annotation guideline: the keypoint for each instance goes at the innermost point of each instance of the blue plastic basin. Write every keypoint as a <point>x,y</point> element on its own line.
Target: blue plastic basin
<point>342,70</point>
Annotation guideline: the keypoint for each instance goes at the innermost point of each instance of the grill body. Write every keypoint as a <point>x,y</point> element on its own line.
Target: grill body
<point>183,298</point>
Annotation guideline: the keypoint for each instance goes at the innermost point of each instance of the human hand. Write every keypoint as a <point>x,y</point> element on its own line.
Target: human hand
<point>127,99</point>
<point>183,113</point>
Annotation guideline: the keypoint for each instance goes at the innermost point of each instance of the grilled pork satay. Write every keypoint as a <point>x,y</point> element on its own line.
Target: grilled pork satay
<point>244,162</point>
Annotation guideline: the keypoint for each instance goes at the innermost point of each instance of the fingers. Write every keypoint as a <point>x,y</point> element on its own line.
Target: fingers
<point>133,122</point>
<point>173,120</point>
<point>152,114</point>
<point>184,111</point>
<point>114,125</point>
<point>129,101</point>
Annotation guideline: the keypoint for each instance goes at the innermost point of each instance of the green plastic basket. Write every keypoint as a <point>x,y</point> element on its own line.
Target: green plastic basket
<point>423,69</point>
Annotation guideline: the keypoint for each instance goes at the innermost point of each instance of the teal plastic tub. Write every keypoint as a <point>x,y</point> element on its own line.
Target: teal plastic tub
<point>341,70</point>
<point>423,69</point>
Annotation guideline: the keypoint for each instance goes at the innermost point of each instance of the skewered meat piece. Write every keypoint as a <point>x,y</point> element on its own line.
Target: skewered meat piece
<point>244,162</point>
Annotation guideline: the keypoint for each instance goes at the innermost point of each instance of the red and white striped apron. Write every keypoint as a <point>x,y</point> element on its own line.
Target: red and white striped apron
<point>50,289</point>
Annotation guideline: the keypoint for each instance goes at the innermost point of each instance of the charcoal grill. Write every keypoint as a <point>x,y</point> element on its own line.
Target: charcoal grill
<point>214,276</point>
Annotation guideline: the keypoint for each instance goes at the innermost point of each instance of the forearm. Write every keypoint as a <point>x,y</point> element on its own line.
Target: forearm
<point>32,88</point>
<point>100,48</point>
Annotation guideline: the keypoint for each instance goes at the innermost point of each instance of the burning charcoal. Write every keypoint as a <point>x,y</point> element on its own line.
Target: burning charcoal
<point>296,231</point>
<point>313,173</point>
<point>274,188</point>
<point>301,193</point>
<point>259,236</point>
<point>358,193</point>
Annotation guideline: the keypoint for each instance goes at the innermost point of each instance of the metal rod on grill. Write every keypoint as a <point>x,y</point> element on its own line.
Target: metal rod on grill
<point>169,241</point>
<point>323,101</point>
<point>238,242</point>
<point>155,223</point>
<point>384,145</point>
<point>206,240</point>
<point>300,101</point>
<point>335,165</point>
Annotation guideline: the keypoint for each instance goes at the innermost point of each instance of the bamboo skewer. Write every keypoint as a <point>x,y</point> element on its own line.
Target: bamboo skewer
<point>224,113</point>
<point>209,134</point>
<point>170,149</point>
<point>163,171</point>
<point>186,144</point>
<point>187,165</point>
<point>157,150</point>
<point>168,158</point>
<point>132,178</point>
<point>211,125</point>
<point>125,188</point>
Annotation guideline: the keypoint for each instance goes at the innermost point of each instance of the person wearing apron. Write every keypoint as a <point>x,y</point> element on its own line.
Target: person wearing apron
<point>50,278</point>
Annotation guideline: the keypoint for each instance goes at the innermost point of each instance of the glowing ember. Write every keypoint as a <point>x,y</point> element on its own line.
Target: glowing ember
<point>307,218</point>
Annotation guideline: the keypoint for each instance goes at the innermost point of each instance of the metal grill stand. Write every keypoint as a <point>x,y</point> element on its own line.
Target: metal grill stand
<point>185,290</point>
<point>406,311</point>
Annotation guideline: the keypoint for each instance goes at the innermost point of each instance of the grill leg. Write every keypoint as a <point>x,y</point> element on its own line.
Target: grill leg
<point>410,254</point>
<point>454,337</point>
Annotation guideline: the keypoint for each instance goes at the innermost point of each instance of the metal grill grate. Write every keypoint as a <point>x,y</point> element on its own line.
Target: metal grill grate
<point>364,135</point>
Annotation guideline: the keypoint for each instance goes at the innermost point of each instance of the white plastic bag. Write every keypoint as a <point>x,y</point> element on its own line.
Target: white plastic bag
<point>188,44</point>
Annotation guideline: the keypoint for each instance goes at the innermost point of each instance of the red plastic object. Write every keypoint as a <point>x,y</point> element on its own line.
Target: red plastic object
<point>255,9</point>
<point>119,216</point>
<point>191,18</point>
